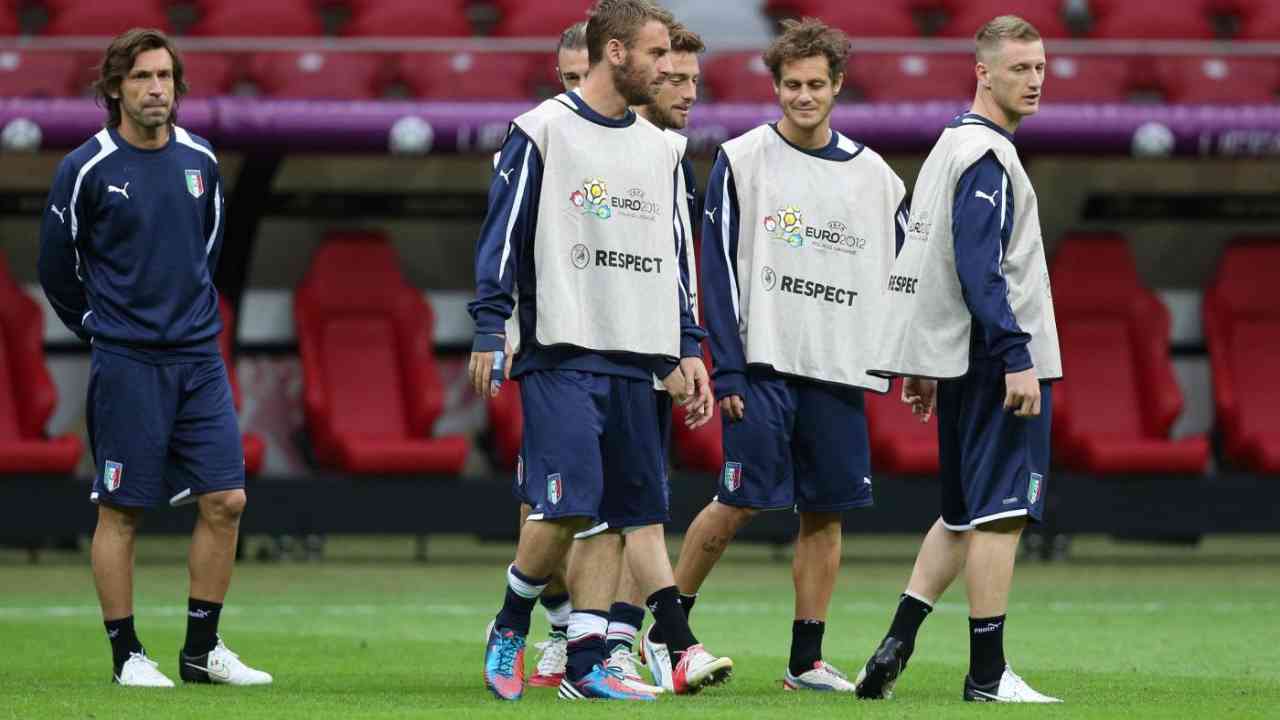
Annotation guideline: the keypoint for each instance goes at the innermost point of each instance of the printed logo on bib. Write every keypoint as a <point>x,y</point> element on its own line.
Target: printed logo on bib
<point>594,200</point>
<point>768,277</point>
<point>788,226</point>
<point>112,475</point>
<point>809,288</point>
<point>1035,488</point>
<point>919,226</point>
<point>732,476</point>
<point>580,256</point>
<point>555,488</point>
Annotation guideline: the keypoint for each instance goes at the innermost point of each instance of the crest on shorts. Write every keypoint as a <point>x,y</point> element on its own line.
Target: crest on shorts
<point>195,183</point>
<point>1035,488</point>
<point>555,488</point>
<point>732,476</point>
<point>112,474</point>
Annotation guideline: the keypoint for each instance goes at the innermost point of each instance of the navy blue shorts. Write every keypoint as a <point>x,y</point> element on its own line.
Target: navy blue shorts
<point>995,464</point>
<point>801,444</point>
<point>161,433</point>
<point>593,447</point>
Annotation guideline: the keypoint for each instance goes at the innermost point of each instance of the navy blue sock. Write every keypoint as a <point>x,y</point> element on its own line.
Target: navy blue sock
<point>806,645</point>
<point>123,640</point>
<point>517,606</point>
<point>986,649</point>
<point>587,630</point>
<point>671,619</point>
<point>686,604</point>
<point>202,627</point>
<point>625,620</point>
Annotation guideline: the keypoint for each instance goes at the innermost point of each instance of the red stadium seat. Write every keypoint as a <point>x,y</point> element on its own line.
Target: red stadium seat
<point>739,77</point>
<point>1119,398</point>
<point>700,450</point>
<point>1151,20</point>
<point>396,18</point>
<point>911,76</point>
<point>900,443</point>
<point>1242,326</point>
<point>104,18</point>
<point>1209,79</point>
<point>1045,15</point>
<point>871,19</point>
<point>26,73</point>
<point>506,424</point>
<point>8,20</point>
<point>254,448</point>
<point>1262,22</point>
<point>372,390</point>
<point>468,76</point>
<point>547,18</point>
<point>27,393</point>
<point>252,18</point>
<point>1088,78</point>
<point>209,74</point>
<point>322,75</point>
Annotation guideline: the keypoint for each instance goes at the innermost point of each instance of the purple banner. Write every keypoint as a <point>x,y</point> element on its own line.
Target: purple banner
<point>418,128</point>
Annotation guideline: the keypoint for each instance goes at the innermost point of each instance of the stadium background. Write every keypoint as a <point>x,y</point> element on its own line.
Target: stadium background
<point>370,123</point>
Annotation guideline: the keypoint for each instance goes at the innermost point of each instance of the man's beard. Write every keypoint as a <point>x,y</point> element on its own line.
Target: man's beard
<point>631,85</point>
<point>664,118</point>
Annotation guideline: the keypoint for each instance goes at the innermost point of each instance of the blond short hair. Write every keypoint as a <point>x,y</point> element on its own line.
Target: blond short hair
<point>1006,27</point>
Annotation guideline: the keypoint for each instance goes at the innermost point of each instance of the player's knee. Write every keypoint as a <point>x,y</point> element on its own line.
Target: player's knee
<point>225,506</point>
<point>737,516</point>
<point>123,520</point>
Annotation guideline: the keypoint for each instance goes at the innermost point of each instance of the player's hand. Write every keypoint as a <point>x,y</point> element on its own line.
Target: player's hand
<point>920,394</point>
<point>677,386</point>
<point>1022,393</point>
<point>698,384</point>
<point>733,407</point>
<point>480,370</point>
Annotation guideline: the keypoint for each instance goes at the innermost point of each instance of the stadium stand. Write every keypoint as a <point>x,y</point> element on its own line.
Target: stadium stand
<point>209,74</point>
<point>506,425</point>
<point>27,73</point>
<point>910,76</point>
<point>1242,327</point>
<point>1046,15</point>
<point>372,391</point>
<point>1088,78</point>
<point>469,76</point>
<point>738,77</point>
<point>321,75</point>
<point>27,393</point>
<point>900,443</point>
<point>1151,20</point>
<point>8,20</point>
<point>871,19</point>
<point>254,448</point>
<point>700,450</point>
<point>1260,21</point>
<point>540,19</point>
<point>401,18</point>
<point>99,18</point>
<point>251,18</point>
<point>1210,79</point>
<point>1119,398</point>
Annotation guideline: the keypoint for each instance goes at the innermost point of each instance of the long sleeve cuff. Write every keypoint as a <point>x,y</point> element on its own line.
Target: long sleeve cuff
<point>1017,358</point>
<point>729,382</point>
<point>488,342</point>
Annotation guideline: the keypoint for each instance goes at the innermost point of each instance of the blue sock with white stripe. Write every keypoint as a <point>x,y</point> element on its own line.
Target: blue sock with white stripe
<point>522,595</point>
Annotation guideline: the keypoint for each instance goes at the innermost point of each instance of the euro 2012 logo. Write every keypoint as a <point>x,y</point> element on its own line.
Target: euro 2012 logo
<point>593,198</point>
<point>787,225</point>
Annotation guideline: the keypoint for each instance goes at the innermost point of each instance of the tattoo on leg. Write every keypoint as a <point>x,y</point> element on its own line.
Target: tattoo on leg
<point>715,545</point>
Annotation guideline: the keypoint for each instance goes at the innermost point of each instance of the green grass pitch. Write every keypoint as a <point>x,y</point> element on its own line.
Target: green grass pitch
<point>1117,631</point>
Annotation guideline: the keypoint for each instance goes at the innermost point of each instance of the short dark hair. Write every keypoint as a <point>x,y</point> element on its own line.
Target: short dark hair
<point>805,38</point>
<point>118,61</point>
<point>574,37</point>
<point>620,20</point>
<point>684,40</point>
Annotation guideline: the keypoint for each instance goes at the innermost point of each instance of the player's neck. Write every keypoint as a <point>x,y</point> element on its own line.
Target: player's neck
<point>814,138</point>
<point>646,112</point>
<point>984,105</point>
<point>143,137</point>
<point>602,95</point>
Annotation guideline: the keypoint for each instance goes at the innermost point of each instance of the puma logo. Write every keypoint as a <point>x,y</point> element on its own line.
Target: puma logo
<point>505,173</point>
<point>711,213</point>
<point>59,213</point>
<point>122,190</point>
<point>989,198</point>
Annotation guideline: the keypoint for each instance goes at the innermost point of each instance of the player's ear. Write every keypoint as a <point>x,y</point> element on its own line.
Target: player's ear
<point>616,51</point>
<point>983,74</point>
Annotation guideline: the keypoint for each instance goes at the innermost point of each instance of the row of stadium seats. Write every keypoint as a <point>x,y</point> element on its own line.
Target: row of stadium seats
<point>372,389</point>
<point>729,77</point>
<point>1137,19</point>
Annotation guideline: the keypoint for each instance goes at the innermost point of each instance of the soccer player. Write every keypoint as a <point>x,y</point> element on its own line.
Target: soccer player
<point>670,112</point>
<point>571,55</point>
<point>969,304</point>
<point>798,233</point>
<point>128,248</point>
<point>589,238</point>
